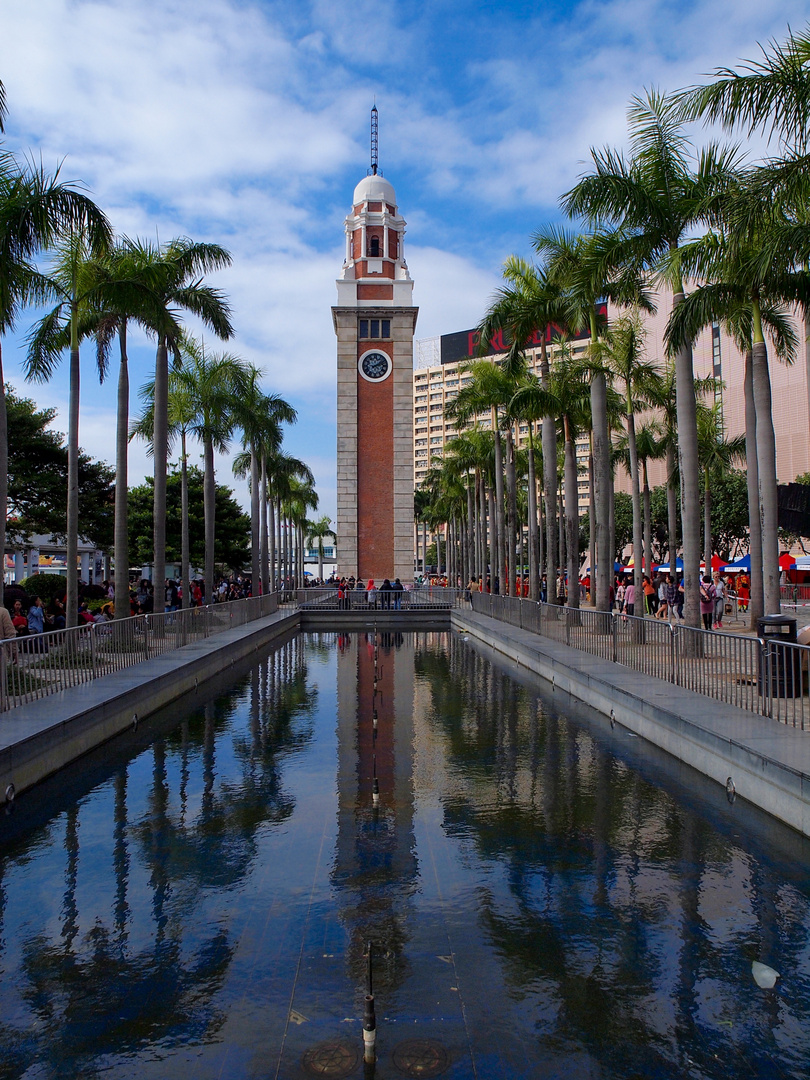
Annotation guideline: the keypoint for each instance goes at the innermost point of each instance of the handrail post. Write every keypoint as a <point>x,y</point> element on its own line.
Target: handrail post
<point>146,629</point>
<point>4,694</point>
<point>614,638</point>
<point>93,650</point>
<point>673,654</point>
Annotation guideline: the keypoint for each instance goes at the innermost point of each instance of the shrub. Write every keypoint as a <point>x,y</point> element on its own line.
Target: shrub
<point>45,586</point>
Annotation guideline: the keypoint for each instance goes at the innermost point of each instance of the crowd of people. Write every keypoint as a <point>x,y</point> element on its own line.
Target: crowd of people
<point>662,595</point>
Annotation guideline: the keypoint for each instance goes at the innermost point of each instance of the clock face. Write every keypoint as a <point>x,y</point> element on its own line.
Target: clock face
<point>375,366</point>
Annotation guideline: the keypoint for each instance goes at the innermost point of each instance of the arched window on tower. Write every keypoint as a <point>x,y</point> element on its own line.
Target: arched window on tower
<point>374,247</point>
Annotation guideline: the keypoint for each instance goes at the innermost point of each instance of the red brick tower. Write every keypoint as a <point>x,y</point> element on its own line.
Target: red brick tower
<point>374,321</point>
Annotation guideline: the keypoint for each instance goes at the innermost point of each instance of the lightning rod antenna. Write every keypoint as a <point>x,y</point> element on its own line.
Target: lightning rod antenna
<point>374,140</point>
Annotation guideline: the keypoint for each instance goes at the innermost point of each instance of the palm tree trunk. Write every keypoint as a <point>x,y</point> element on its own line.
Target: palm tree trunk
<point>548,438</point>
<point>646,503</point>
<point>707,523</point>
<point>3,470</point>
<point>591,518</point>
<point>185,540</point>
<point>672,509</point>
<point>602,479</point>
<point>72,599</point>
<point>209,497</point>
<point>611,528</point>
<point>472,519</point>
<point>500,530</point>
<point>511,513</point>
<point>493,539</point>
<point>571,518</point>
<point>636,495</point>
<point>160,451</point>
<point>757,604</point>
<point>120,537</point>
<point>534,578</point>
<point>690,476</point>
<point>263,543</point>
<point>766,464</point>
<point>255,548</point>
<point>562,538</point>
<point>271,534</point>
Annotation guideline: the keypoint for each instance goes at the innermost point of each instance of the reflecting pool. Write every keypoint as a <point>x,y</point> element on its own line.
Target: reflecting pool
<point>545,896</point>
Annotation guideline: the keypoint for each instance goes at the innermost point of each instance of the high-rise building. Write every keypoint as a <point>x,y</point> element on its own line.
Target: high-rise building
<point>438,376</point>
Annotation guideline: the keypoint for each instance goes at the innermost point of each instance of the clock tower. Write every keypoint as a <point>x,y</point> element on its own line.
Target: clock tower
<point>374,321</point>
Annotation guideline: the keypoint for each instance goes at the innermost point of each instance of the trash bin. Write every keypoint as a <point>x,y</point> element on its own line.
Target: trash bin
<point>781,664</point>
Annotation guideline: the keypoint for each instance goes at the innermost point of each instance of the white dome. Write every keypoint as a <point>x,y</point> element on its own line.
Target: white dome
<point>374,188</point>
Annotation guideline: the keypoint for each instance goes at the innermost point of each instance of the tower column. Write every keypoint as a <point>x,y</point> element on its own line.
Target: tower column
<point>374,322</point>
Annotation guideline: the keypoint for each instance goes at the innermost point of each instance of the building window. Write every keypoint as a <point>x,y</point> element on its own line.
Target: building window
<point>374,247</point>
<point>375,328</point>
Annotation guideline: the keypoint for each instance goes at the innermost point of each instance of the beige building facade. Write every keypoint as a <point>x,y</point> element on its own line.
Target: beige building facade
<point>714,354</point>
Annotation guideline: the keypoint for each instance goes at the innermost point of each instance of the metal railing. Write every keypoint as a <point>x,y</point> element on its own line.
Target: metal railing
<point>760,675</point>
<point>795,594</point>
<point>39,665</point>
<point>420,598</point>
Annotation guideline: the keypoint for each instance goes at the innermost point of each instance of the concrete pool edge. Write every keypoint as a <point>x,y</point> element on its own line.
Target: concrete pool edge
<point>768,762</point>
<point>38,739</point>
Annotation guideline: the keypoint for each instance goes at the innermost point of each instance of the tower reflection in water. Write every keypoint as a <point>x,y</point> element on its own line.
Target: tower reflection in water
<point>375,869</point>
<point>546,896</point>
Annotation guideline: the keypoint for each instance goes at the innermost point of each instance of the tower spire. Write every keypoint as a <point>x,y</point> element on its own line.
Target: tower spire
<point>374,143</point>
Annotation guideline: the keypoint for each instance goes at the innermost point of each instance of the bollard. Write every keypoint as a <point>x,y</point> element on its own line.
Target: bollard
<point>369,1017</point>
<point>369,1030</point>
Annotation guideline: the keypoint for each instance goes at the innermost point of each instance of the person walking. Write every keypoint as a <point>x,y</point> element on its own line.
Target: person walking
<point>719,601</point>
<point>629,599</point>
<point>707,601</point>
<point>650,597</point>
<point>663,603</point>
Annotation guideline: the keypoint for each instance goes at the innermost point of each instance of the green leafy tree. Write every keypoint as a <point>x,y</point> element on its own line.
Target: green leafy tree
<point>36,210</point>
<point>37,474</point>
<point>232,541</point>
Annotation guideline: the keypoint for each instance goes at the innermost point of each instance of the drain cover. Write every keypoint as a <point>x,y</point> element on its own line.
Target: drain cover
<point>335,1059</point>
<point>420,1057</point>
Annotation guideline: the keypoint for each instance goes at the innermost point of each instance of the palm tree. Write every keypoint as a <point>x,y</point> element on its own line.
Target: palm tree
<point>180,417</point>
<point>179,267</point>
<point>531,304</point>
<point>76,289</point>
<point>490,389</point>
<point>587,268</point>
<point>622,357</point>
<point>654,200</point>
<point>471,458</point>
<point>718,454</point>
<point>283,473</point>
<point>36,210</point>
<point>124,294</point>
<point>215,385</point>
<point>260,417</point>
<point>747,297</point>
<point>568,398</point>
<point>319,530</point>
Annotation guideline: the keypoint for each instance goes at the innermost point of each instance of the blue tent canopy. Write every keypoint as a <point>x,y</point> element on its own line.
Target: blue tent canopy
<point>664,568</point>
<point>744,563</point>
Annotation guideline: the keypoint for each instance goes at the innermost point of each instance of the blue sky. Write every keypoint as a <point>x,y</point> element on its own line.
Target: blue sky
<point>246,124</point>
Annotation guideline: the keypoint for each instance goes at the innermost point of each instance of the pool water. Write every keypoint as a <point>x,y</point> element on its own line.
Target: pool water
<point>544,896</point>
